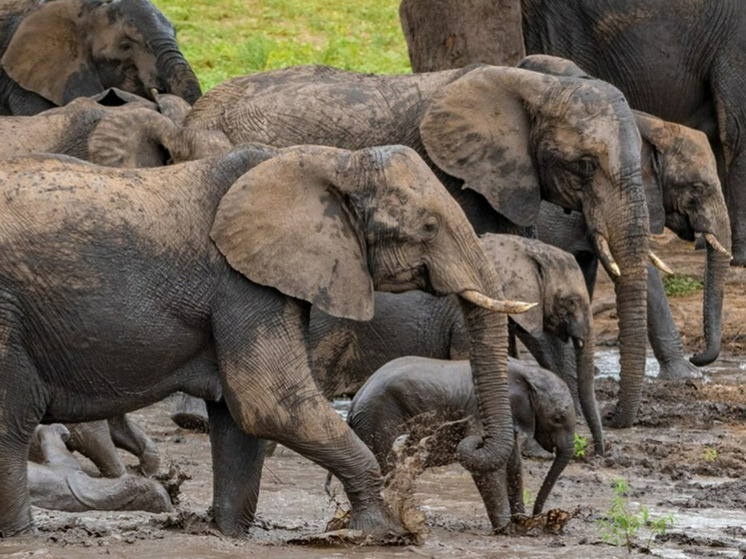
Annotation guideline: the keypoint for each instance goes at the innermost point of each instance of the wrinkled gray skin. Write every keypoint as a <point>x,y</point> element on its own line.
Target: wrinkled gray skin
<point>54,52</point>
<point>56,480</point>
<point>67,130</point>
<point>346,352</point>
<point>683,193</point>
<point>569,141</point>
<point>99,440</point>
<point>123,286</point>
<point>406,388</point>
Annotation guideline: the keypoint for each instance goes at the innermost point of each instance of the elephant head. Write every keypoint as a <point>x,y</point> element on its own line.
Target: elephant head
<point>517,137</point>
<point>375,218</point>
<point>551,276</point>
<point>550,419</point>
<point>684,194</point>
<point>77,48</point>
<point>144,138</point>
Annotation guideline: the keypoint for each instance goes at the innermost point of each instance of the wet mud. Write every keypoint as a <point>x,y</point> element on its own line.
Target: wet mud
<point>684,457</point>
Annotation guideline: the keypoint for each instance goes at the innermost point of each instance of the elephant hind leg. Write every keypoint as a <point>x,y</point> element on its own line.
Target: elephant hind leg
<point>127,435</point>
<point>93,440</point>
<point>22,407</point>
<point>271,394</point>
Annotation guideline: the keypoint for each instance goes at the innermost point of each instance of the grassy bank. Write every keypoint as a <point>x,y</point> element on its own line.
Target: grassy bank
<point>225,38</point>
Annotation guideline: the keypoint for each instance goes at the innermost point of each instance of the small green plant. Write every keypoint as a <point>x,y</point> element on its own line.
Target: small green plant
<point>710,455</point>
<point>580,443</point>
<point>528,498</point>
<point>620,525</point>
<point>680,285</point>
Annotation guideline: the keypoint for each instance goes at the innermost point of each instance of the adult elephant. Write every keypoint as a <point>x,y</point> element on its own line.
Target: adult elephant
<point>53,52</point>
<point>501,140</point>
<point>683,193</point>
<point>122,286</point>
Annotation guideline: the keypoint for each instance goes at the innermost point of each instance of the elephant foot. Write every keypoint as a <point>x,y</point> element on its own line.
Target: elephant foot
<point>17,529</point>
<point>678,369</point>
<point>372,526</point>
<point>150,462</point>
<point>190,413</point>
<point>378,523</point>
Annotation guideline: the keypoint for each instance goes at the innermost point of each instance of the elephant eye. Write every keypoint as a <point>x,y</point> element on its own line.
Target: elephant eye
<point>585,166</point>
<point>125,46</point>
<point>431,227</point>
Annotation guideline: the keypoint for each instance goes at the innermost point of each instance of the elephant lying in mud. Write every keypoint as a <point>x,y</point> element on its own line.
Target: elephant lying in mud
<point>54,52</point>
<point>66,130</point>
<point>57,481</point>
<point>98,441</point>
<point>346,352</point>
<point>501,140</point>
<point>123,286</point>
<point>418,390</point>
<point>683,193</point>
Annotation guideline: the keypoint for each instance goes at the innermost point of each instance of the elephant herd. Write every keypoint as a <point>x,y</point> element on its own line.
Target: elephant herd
<point>300,234</point>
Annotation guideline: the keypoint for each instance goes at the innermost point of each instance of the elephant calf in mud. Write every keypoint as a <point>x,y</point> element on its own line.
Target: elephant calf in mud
<point>346,353</point>
<point>417,390</point>
<point>57,481</point>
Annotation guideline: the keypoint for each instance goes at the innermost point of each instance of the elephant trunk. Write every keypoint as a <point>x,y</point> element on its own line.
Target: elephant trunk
<point>488,333</point>
<point>177,76</point>
<point>562,455</point>
<point>716,269</point>
<point>586,373</point>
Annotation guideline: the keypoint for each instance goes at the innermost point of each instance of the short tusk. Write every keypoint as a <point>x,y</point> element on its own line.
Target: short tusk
<point>580,343</point>
<point>714,243</point>
<point>662,266</point>
<point>510,307</point>
<point>605,255</point>
<point>155,93</point>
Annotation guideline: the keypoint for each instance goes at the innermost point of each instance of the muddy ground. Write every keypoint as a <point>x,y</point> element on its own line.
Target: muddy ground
<point>683,458</point>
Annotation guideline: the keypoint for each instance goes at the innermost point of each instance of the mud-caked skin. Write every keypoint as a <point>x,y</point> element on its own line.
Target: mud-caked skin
<point>53,52</point>
<point>346,352</point>
<point>435,391</point>
<point>57,481</point>
<point>121,286</point>
<point>683,193</point>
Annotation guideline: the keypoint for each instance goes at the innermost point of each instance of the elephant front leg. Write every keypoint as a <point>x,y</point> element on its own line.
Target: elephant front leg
<point>663,335</point>
<point>237,460</point>
<point>271,394</point>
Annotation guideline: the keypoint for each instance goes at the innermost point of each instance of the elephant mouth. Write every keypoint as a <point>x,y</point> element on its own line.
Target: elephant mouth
<point>610,265</point>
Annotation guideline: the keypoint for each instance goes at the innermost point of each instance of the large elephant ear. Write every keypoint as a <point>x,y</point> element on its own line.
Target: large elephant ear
<point>653,134</point>
<point>285,224</point>
<point>478,130</point>
<point>46,55</point>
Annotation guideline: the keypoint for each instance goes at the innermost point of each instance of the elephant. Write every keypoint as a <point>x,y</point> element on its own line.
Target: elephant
<point>53,52</point>
<point>345,353</point>
<point>500,139</point>
<point>98,441</point>
<point>67,130</point>
<point>57,481</point>
<point>683,193</point>
<point>121,286</point>
<point>438,391</point>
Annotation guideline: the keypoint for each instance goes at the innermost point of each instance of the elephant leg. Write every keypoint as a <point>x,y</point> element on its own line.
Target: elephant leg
<point>271,394</point>
<point>127,435</point>
<point>93,440</point>
<point>663,335</point>
<point>237,460</point>
<point>515,482</point>
<point>52,450</point>
<point>502,491</point>
<point>21,409</point>
<point>190,413</point>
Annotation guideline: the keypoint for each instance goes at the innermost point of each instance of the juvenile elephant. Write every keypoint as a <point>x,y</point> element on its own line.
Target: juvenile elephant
<point>439,391</point>
<point>123,286</point>
<point>53,52</point>
<point>500,139</point>
<point>57,481</point>
<point>346,353</point>
<point>67,130</point>
<point>683,193</point>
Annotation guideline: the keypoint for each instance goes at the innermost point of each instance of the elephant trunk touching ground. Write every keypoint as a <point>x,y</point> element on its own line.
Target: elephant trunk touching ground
<point>563,453</point>
<point>175,74</point>
<point>586,371</point>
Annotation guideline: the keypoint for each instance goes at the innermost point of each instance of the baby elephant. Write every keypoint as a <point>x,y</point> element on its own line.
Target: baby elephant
<point>439,391</point>
<point>57,481</point>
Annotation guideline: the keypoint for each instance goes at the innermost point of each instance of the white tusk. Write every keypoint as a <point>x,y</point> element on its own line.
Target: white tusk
<point>714,243</point>
<point>662,266</point>
<point>510,307</point>
<point>580,343</point>
<point>605,255</point>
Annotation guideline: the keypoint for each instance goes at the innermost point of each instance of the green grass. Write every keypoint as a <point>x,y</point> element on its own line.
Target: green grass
<point>680,285</point>
<point>226,38</point>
